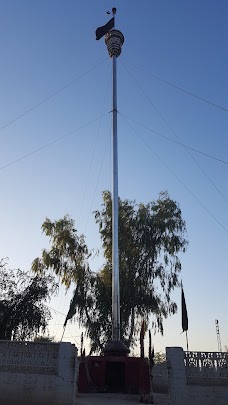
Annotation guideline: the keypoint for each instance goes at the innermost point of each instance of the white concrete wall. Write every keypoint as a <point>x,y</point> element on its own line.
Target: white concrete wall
<point>37,373</point>
<point>160,378</point>
<point>207,395</point>
<point>183,394</point>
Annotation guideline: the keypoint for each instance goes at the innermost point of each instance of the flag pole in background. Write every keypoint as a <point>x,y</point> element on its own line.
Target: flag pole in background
<point>184,314</point>
<point>187,339</point>
<point>82,341</point>
<point>150,345</point>
<point>151,362</point>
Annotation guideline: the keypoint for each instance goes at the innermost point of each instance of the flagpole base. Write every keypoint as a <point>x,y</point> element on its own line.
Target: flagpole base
<point>116,348</point>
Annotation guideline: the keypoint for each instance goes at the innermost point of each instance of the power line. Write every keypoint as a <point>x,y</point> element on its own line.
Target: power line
<point>181,89</point>
<point>56,326</point>
<point>50,143</point>
<point>93,153</point>
<point>98,178</point>
<point>52,309</point>
<point>180,181</point>
<point>174,133</point>
<point>49,97</point>
<point>73,337</point>
<point>176,142</point>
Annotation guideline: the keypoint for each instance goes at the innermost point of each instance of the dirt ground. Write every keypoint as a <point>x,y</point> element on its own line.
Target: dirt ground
<point>115,399</point>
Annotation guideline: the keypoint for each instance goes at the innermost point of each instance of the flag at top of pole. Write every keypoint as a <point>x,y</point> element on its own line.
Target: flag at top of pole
<point>101,31</point>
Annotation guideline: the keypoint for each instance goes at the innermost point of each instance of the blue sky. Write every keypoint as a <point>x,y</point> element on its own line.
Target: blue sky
<point>46,46</point>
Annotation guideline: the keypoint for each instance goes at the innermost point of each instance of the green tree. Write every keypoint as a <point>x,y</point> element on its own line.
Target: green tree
<point>150,238</point>
<point>159,358</point>
<point>44,339</point>
<point>23,313</point>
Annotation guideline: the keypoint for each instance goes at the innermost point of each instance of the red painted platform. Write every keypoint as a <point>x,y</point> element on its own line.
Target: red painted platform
<point>129,375</point>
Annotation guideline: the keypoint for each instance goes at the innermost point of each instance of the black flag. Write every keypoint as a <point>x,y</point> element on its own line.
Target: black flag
<point>151,352</point>
<point>72,309</point>
<point>142,336</point>
<point>101,31</point>
<point>184,312</point>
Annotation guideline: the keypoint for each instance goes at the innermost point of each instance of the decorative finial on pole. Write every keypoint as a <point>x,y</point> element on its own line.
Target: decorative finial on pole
<point>113,11</point>
<point>114,40</point>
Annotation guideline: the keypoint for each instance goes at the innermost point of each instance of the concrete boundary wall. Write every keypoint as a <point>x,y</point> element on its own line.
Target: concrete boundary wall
<point>184,390</point>
<point>160,378</point>
<point>38,373</point>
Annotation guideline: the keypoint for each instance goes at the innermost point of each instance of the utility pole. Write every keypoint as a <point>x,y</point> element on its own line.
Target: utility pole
<point>218,335</point>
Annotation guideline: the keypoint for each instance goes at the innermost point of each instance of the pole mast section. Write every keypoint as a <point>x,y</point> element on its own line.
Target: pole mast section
<point>115,216</point>
<point>114,40</point>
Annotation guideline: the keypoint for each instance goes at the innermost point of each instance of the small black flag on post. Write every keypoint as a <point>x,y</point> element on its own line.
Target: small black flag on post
<point>101,31</point>
<point>72,309</point>
<point>184,312</point>
<point>142,335</point>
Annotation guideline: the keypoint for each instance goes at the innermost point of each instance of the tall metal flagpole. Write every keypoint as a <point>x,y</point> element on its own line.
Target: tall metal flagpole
<point>115,217</point>
<point>114,40</point>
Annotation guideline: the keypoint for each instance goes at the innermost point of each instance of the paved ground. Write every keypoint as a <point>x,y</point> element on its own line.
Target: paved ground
<point>116,399</point>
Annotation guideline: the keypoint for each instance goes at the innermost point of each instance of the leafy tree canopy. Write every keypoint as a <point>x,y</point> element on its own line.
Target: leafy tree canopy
<point>44,339</point>
<point>150,238</point>
<point>159,358</point>
<point>23,313</point>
